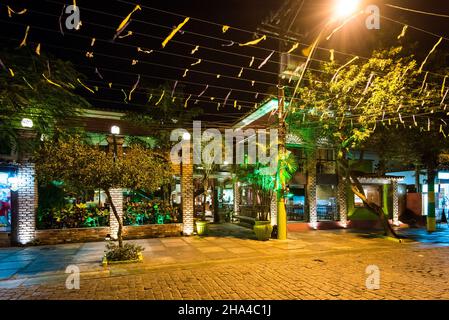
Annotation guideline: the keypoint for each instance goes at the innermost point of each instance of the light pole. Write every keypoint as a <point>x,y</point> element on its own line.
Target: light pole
<point>342,10</point>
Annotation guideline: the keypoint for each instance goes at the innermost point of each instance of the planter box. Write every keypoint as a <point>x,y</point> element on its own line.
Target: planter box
<point>105,261</point>
<point>60,236</point>
<point>152,231</point>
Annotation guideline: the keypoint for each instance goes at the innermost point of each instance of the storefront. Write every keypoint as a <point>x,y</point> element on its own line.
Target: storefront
<point>8,186</point>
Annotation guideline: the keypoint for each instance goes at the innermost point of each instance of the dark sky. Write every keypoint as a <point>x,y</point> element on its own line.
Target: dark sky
<point>150,27</point>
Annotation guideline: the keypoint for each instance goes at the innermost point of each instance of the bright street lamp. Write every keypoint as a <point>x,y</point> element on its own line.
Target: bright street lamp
<point>345,8</point>
<point>186,136</point>
<point>115,130</point>
<point>26,123</point>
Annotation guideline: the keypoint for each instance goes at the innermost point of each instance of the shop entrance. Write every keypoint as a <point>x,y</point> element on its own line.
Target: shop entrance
<point>5,203</point>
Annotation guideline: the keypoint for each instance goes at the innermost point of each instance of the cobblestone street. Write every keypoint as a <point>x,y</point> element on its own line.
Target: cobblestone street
<point>314,265</point>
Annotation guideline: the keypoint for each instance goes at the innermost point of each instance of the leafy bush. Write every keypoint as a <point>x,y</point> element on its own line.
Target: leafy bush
<point>149,212</point>
<point>129,251</point>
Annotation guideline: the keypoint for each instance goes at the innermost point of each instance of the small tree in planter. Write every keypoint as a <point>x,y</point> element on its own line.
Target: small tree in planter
<point>81,165</point>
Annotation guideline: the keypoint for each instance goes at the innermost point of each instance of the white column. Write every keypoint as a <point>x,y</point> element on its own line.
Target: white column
<point>342,204</point>
<point>311,190</point>
<point>117,199</point>
<point>274,209</point>
<point>395,187</point>
<point>27,203</point>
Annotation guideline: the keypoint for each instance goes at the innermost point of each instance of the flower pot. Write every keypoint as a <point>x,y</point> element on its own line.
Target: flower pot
<point>202,227</point>
<point>263,230</point>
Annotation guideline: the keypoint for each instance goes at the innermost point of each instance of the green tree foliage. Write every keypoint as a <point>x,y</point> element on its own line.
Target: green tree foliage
<point>364,104</point>
<point>81,165</point>
<point>25,93</point>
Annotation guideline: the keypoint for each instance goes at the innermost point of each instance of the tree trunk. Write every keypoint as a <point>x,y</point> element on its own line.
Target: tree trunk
<point>117,217</point>
<point>431,214</point>
<point>417,176</point>
<point>377,210</point>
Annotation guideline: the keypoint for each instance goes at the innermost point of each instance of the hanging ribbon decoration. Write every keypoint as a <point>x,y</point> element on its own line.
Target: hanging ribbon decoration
<point>195,50</point>
<point>344,66</point>
<point>444,84</point>
<point>430,53</point>
<point>332,57</point>
<point>227,97</point>
<point>38,49</point>
<point>134,87</point>
<point>293,48</point>
<point>187,101</point>
<point>266,60</point>
<point>24,41</point>
<point>173,33</point>
<point>251,62</point>
<point>86,87</point>
<point>195,63</point>
<point>254,42</point>
<point>11,11</point>
<point>404,30</point>
<point>202,92</point>
<point>139,49</point>
<point>51,82</point>
<point>99,75</point>
<point>122,26</point>
<point>174,88</point>
<point>225,29</point>
<point>185,73</point>
<point>424,82</point>
<point>160,99</point>
<point>240,73</point>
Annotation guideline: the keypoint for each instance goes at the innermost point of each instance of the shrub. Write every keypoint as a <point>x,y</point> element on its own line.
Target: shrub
<point>129,251</point>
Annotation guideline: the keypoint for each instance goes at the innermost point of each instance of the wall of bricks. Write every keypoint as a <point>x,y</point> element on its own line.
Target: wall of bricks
<point>342,201</point>
<point>187,198</point>
<point>311,189</point>
<point>26,204</point>
<point>153,231</point>
<point>274,209</point>
<point>117,199</point>
<point>58,236</point>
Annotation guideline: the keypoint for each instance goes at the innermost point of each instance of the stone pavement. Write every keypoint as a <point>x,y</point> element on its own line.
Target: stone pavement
<point>310,265</point>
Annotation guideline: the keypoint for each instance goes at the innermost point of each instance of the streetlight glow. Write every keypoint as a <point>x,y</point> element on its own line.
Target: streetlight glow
<point>115,130</point>
<point>186,136</point>
<point>26,123</point>
<point>345,8</point>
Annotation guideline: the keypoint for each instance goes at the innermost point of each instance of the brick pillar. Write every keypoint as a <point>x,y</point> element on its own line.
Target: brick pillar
<point>237,199</point>
<point>117,199</point>
<point>26,204</point>
<point>395,187</point>
<point>274,209</point>
<point>342,201</point>
<point>311,190</point>
<point>187,197</point>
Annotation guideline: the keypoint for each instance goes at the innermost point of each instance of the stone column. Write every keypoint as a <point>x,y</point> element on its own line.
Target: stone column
<point>342,201</point>
<point>237,199</point>
<point>117,199</point>
<point>311,189</point>
<point>187,198</point>
<point>274,209</point>
<point>395,187</point>
<point>27,204</point>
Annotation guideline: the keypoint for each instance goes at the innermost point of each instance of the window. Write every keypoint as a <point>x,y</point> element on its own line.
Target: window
<point>372,193</point>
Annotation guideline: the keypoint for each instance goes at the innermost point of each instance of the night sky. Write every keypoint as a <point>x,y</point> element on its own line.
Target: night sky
<point>150,26</point>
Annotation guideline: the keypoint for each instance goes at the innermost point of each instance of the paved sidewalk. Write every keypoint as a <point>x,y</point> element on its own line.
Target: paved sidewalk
<point>230,264</point>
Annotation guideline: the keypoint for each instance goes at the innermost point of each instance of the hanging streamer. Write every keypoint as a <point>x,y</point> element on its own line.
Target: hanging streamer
<point>229,44</point>
<point>49,81</point>
<point>129,33</point>
<point>404,30</point>
<point>139,49</point>
<point>174,88</point>
<point>218,76</point>
<point>160,99</point>
<point>60,20</point>
<point>149,99</point>
<point>110,85</point>
<point>195,63</point>
<point>92,42</point>
<point>253,83</point>
<point>369,83</point>
<point>125,21</point>
<point>414,121</point>
<point>430,53</point>
<point>172,34</point>
<point>266,60</point>
<point>225,29</point>
<point>332,57</point>
<point>11,72</point>
<point>240,73</point>
<point>99,74</point>
<point>187,101</point>
<point>24,41</point>
<point>134,62</point>
<point>86,87</point>
<point>89,54</point>
<point>227,97</point>
<point>185,73</point>
<point>28,84</point>
<point>134,87</point>
<point>251,62</point>
<point>444,98</point>
<point>428,124</point>
<point>424,82</point>
<point>11,11</point>
<point>293,48</point>
<point>344,66</point>
<point>38,49</point>
<point>125,96</point>
<point>195,50</point>
<point>254,42</point>
<point>444,84</point>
